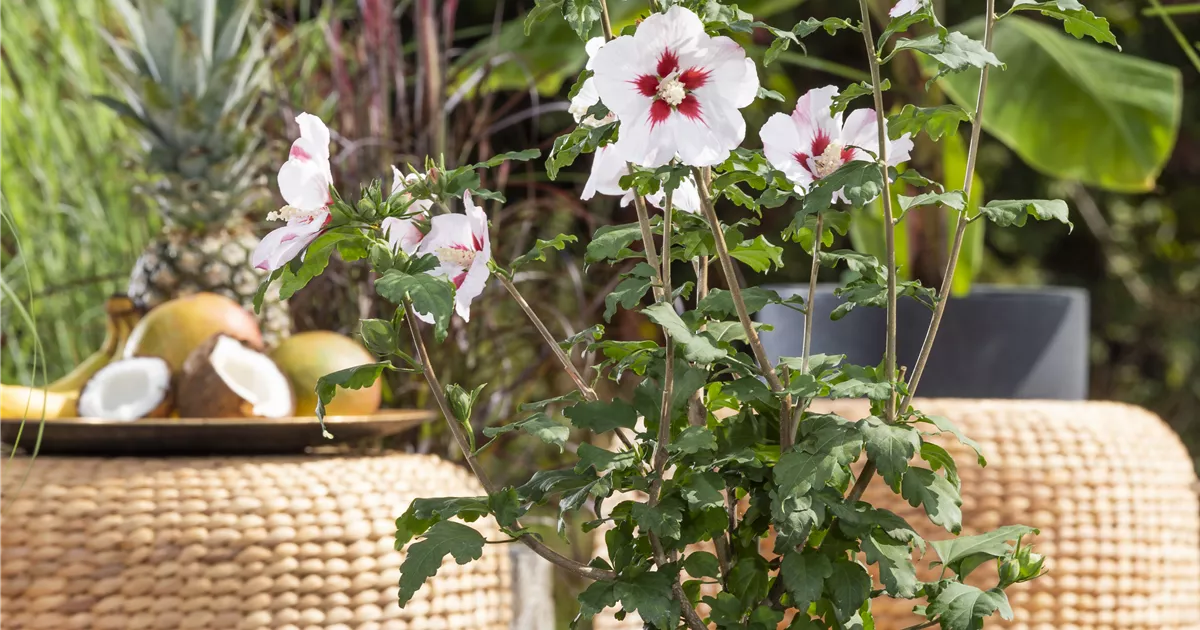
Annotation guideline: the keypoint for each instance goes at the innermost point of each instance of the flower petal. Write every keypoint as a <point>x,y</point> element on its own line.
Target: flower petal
<point>403,235</point>
<point>607,170</point>
<point>592,47</point>
<point>304,184</point>
<point>313,130</point>
<point>861,130</point>
<point>617,66</point>
<point>731,76</point>
<point>707,141</point>
<point>282,245</point>
<point>686,197</point>
<point>781,144</point>
<point>812,115</point>
<point>899,150</point>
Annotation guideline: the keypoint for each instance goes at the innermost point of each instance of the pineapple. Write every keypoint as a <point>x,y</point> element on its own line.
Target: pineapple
<point>194,72</point>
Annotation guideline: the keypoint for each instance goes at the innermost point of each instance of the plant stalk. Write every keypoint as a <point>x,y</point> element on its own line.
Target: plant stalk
<point>464,444</point>
<point>889,232</point>
<point>788,439</point>
<point>735,289</point>
<point>961,227</point>
<point>588,393</point>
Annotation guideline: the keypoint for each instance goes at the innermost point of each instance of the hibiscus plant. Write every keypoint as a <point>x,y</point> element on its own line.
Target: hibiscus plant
<point>717,450</point>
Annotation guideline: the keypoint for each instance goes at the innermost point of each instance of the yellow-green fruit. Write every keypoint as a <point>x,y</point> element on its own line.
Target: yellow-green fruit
<point>174,329</point>
<point>308,356</point>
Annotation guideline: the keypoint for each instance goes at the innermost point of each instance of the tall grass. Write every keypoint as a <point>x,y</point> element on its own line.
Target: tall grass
<point>66,186</point>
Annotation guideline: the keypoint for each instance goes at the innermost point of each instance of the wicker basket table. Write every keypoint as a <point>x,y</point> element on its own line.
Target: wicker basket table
<point>1112,490</point>
<point>223,543</point>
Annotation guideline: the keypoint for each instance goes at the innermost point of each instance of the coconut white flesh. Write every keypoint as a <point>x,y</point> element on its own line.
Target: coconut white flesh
<point>126,390</point>
<point>253,376</point>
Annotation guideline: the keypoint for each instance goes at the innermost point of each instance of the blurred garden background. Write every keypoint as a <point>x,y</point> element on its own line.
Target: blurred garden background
<point>85,189</point>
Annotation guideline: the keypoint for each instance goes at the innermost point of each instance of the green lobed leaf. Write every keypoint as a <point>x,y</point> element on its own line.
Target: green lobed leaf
<point>925,488</point>
<point>432,295</point>
<point>1009,212</point>
<point>962,607</point>
<point>703,490</point>
<point>955,553</point>
<point>424,512</point>
<point>890,446</point>
<point>940,459</point>
<point>702,564</point>
<point>609,240</point>
<point>718,304</point>
<point>596,597</point>
<point>600,416</point>
<point>1077,19</point>
<point>662,520</point>
<point>944,425</point>
<point>650,595</point>
<point>804,574</point>
<point>853,91</point>
<point>582,16</point>
<point>356,377</point>
<point>896,569</point>
<point>538,252</point>
<point>506,506</point>
<point>758,254</point>
<point>602,460</point>
<point>697,347</point>
<point>315,260</point>
<point>848,587</point>
<point>692,440</point>
<point>629,292</point>
<point>538,425</point>
<point>794,517</point>
<point>934,121</point>
<point>955,53</point>
<point>547,482</point>
<point>424,557</point>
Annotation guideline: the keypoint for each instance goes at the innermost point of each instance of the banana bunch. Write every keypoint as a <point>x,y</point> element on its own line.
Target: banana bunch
<point>57,400</point>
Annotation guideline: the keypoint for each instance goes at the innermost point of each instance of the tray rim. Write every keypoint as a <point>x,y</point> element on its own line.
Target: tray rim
<point>414,416</point>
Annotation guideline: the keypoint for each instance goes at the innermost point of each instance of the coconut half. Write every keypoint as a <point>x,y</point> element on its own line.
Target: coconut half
<point>226,378</point>
<point>127,390</point>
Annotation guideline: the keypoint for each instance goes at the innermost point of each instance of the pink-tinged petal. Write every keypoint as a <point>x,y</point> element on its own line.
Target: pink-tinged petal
<point>447,231</point>
<point>403,235</point>
<point>781,144</point>
<point>397,180</point>
<point>316,133</point>
<point>617,66</point>
<point>861,130</point>
<point>303,150</point>
<point>708,140</point>
<point>729,69</point>
<point>607,170</point>
<point>899,150</point>
<point>904,7</point>
<point>677,30</point>
<point>282,245</point>
<point>304,184</point>
<point>812,116</point>
<point>472,283</point>
<point>479,222</point>
<point>646,143</point>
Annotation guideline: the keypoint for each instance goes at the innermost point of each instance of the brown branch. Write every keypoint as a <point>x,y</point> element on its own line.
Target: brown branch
<point>464,444</point>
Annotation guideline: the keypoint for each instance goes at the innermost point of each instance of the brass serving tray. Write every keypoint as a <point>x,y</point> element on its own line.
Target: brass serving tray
<point>202,436</point>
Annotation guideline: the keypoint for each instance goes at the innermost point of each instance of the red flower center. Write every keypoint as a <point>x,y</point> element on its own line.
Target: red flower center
<point>671,90</point>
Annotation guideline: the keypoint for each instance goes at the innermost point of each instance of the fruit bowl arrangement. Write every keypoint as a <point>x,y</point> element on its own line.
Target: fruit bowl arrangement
<point>193,376</point>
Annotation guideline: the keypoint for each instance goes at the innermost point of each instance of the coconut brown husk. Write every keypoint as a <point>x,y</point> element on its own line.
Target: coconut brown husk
<point>200,391</point>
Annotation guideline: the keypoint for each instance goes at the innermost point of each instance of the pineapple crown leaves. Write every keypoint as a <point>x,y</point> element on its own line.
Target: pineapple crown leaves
<point>191,76</point>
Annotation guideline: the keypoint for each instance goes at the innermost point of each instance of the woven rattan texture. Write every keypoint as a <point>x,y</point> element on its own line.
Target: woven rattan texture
<point>225,543</point>
<point>1112,490</point>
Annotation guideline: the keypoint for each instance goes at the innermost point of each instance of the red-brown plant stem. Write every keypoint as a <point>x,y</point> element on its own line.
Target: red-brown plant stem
<point>961,227</point>
<point>464,444</point>
<point>735,291</point>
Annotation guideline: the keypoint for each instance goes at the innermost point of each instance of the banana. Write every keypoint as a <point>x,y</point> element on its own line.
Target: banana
<point>18,401</point>
<point>123,315</point>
